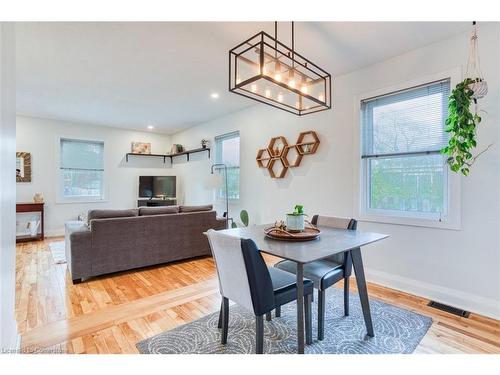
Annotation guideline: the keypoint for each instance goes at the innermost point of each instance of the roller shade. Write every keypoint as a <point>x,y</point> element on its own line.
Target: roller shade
<point>82,155</point>
<point>228,149</point>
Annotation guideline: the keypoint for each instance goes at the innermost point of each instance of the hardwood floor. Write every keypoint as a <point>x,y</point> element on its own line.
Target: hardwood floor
<point>111,314</point>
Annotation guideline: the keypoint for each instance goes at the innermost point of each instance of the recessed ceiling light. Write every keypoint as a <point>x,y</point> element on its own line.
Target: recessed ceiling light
<point>151,127</point>
<point>214,95</point>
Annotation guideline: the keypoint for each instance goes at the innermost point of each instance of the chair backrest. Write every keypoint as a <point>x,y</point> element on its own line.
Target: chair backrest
<point>339,223</point>
<point>334,222</point>
<point>243,274</point>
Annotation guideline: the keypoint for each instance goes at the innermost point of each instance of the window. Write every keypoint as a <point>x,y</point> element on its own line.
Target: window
<point>403,172</point>
<point>81,170</point>
<point>227,151</point>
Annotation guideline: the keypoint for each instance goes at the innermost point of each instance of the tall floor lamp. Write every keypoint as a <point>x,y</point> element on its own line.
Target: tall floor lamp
<point>221,165</point>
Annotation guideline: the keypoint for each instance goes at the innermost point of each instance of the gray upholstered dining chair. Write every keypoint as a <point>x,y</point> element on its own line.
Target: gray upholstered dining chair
<point>244,278</point>
<point>326,272</point>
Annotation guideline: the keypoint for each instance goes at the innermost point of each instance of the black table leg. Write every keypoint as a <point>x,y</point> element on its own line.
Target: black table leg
<point>300,308</point>
<point>357,263</point>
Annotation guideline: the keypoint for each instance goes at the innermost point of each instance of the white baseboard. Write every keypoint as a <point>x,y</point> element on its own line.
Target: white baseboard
<point>470,302</point>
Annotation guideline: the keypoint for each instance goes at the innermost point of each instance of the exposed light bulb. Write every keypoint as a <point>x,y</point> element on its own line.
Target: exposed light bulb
<point>214,95</point>
<point>277,69</point>
<point>280,98</point>
<point>321,97</point>
<point>151,127</point>
<point>304,89</point>
<point>253,88</point>
<point>268,93</point>
<point>291,83</point>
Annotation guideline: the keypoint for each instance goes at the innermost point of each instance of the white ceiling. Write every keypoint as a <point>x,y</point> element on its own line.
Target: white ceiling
<point>130,75</point>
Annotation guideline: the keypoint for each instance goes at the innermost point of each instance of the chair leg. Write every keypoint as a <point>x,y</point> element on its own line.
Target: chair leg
<point>308,318</point>
<point>346,296</point>
<point>225,320</point>
<point>259,334</point>
<point>268,316</point>
<point>278,311</point>
<point>219,324</point>
<point>321,314</point>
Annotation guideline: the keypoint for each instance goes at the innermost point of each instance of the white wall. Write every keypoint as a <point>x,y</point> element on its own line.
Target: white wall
<point>461,268</point>
<point>40,137</point>
<point>8,326</point>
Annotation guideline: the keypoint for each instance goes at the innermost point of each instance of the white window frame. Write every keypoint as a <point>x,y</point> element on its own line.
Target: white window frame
<point>61,199</point>
<point>450,219</point>
<point>223,137</point>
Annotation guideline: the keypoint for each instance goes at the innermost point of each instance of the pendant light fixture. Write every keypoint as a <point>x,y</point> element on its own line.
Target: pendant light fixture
<point>264,69</point>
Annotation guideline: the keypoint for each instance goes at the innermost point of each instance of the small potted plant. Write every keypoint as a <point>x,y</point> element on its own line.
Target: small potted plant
<point>204,143</point>
<point>295,220</point>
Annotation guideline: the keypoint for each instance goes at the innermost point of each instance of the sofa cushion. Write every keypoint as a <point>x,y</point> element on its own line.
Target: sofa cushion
<point>108,214</point>
<point>163,210</point>
<point>206,207</point>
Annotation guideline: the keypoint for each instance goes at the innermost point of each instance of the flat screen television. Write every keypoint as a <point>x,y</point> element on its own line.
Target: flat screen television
<point>157,187</point>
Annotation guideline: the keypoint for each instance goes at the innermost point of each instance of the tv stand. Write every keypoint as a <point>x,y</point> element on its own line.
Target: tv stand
<point>156,202</point>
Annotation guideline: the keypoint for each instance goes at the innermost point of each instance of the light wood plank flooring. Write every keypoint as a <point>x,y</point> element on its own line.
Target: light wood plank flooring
<point>111,314</point>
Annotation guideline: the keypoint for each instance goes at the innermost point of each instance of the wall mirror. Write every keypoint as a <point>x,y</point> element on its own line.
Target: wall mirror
<point>23,167</point>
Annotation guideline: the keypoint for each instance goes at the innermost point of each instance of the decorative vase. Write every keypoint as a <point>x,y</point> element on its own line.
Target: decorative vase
<point>38,198</point>
<point>295,223</point>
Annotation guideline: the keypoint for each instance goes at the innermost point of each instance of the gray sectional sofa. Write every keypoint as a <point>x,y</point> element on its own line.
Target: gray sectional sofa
<point>118,240</point>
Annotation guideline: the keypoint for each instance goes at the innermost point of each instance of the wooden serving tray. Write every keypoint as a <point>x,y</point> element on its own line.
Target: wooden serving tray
<point>308,234</point>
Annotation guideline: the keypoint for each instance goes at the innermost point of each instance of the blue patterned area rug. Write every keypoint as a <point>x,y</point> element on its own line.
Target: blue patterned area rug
<point>396,331</point>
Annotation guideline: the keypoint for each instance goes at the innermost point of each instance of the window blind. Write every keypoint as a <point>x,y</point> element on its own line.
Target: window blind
<point>407,122</point>
<point>82,155</point>
<point>228,149</point>
<point>81,169</point>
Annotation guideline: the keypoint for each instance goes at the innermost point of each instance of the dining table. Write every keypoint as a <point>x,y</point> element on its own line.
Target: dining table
<point>331,241</point>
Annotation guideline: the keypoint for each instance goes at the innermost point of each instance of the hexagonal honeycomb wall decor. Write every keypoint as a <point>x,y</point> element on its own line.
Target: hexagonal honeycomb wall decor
<point>277,146</point>
<point>263,158</point>
<point>277,168</point>
<point>279,155</point>
<point>307,143</point>
<point>291,156</point>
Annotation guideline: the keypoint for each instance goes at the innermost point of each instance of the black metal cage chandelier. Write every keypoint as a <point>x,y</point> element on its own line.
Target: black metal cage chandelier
<point>264,69</point>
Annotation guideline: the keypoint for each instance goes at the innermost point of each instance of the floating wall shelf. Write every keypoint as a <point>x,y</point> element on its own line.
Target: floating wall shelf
<point>171,156</point>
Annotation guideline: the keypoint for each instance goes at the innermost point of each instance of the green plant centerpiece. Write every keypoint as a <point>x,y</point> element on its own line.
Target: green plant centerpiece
<point>461,124</point>
<point>295,221</point>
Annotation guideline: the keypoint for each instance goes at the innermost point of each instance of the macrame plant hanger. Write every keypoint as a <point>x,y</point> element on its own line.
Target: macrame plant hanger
<point>479,85</point>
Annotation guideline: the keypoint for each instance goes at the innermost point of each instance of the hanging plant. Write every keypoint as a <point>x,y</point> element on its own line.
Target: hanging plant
<point>461,122</point>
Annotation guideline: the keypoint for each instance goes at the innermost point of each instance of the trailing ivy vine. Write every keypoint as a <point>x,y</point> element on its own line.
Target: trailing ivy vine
<point>461,124</point>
